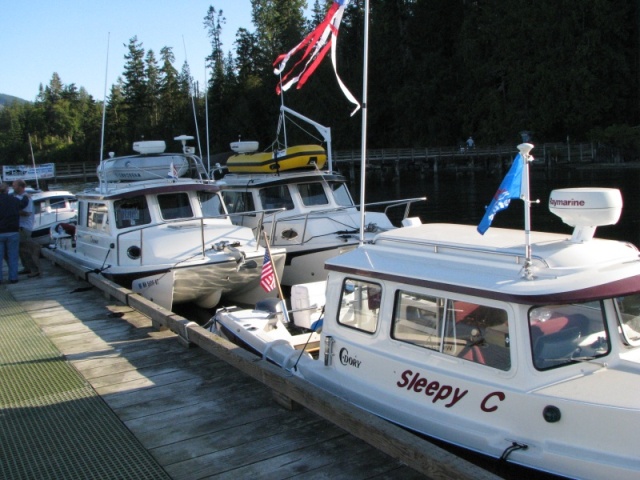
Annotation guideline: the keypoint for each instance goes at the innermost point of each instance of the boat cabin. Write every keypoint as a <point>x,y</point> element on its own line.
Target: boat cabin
<point>304,191</point>
<point>133,217</point>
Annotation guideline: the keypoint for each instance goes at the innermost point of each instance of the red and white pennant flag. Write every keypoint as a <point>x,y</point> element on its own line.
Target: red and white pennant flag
<point>315,46</point>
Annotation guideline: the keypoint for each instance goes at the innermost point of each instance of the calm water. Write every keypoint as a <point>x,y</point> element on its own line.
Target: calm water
<point>463,199</point>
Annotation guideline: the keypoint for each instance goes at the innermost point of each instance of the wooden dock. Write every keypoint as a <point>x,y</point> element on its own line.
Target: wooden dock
<point>200,415</point>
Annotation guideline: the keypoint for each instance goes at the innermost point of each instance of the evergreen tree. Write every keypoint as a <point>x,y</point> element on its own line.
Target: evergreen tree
<point>153,92</point>
<point>135,90</point>
<point>172,105</point>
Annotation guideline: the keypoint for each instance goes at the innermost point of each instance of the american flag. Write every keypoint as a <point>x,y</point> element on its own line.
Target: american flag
<point>268,277</point>
<point>314,47</point>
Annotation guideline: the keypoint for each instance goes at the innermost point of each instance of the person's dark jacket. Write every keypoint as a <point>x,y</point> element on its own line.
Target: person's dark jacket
<point>9,213</point>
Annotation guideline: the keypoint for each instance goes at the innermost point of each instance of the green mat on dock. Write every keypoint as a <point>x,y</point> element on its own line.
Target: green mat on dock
<point>52,423</point>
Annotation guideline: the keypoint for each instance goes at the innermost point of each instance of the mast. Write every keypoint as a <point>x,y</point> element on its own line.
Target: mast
<point>192,87</point>
<point>363,143</point>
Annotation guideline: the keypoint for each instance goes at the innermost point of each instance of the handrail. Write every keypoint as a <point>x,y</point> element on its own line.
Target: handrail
<point>305,216</point>
<point>440,247</point>
<point>142,228</point>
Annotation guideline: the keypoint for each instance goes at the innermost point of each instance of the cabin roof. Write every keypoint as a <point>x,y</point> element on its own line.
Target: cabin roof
<point>260,180</point>
<point>456,258</point>
<point>115,191</point>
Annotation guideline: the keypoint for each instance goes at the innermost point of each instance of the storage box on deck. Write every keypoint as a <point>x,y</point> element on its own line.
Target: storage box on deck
<point>307,300</point>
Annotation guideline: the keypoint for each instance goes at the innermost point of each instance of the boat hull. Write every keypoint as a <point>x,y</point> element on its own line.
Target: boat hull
<point>204,281</point>
<point>299,156</point>
<point>478,416</point>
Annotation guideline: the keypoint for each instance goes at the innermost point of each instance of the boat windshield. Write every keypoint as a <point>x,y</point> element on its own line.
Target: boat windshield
<point>628,308</point>
<point>360,305</point>
<point>276,197</point>
<point>564,334</point>
<point>210,204</point>
<point>175,205</point>
<point>312,194</point>
<point>341,194</point>
<point>238,202</point>
<point>130,212</point>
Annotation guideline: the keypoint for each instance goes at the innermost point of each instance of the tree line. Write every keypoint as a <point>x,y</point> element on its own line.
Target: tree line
<point>439,71</point>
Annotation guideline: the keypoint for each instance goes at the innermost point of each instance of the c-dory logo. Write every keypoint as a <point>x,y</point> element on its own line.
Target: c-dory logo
<point>346,359</point>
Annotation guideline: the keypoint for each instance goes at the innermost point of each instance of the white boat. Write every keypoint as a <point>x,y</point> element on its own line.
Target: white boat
<point>52,208</point>
<point>523,346</point>
<point>310,213</point>
<point>168,238</point>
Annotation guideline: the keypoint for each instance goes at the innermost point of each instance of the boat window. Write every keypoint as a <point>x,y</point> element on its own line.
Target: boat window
<point>341,194</point>
<point>238,202</point>
<point>57,203</point>
<point>175,205</point>
<point>565,334</point>
<point>360,305</point>
<point>39,206</point>
<point>313,194</point>
<point>276,197</point>
<point>210,204</point>
<point>131,212</point>
<point>477,333</point>
<point>98,217</point>
<point>628,308</point>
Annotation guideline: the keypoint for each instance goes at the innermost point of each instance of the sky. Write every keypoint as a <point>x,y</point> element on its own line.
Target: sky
<point>72,38</point>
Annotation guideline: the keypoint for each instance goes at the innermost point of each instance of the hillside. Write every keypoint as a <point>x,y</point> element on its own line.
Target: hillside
<point>9,99</point>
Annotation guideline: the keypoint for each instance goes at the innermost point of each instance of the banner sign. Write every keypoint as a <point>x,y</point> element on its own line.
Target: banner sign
<point>24,172</point>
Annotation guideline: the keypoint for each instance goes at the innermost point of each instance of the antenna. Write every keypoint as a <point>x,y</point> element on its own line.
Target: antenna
<point>104,114</point>
<point>206,115</point>
<point>193,102</point>
<point>33,161</point>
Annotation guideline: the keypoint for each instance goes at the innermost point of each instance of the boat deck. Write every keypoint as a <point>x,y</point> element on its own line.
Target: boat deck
<point>89,389</point>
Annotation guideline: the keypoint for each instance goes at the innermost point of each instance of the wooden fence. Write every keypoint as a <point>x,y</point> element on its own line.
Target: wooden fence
<point>432,157</point>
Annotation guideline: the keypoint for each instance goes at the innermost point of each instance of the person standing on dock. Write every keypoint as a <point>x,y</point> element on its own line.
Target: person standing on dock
<point>9,232</point>
<point>29,250</point>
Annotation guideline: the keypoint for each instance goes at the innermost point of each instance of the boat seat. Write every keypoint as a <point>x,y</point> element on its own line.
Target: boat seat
<point>556,348</point>
<point>473,353</point>
<point>557,324</point>
<point>463,310</point>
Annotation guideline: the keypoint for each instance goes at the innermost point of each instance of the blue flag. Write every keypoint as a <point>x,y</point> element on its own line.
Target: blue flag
<point>510,188</point>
